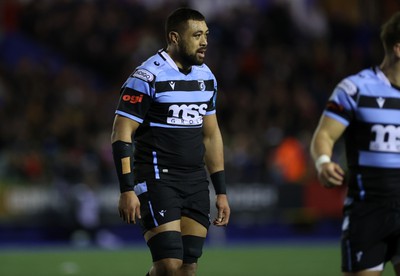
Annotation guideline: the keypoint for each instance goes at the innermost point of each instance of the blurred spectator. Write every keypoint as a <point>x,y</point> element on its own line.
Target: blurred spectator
<point>290,159</point>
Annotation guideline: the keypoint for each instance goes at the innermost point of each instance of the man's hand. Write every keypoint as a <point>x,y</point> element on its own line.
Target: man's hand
<point>331,175</point>
<point>223,209</point>
<point>129,207</point>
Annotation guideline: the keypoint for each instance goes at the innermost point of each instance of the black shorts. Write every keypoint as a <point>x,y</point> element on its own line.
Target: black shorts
<point>370,234</point>
<point>163,201</point>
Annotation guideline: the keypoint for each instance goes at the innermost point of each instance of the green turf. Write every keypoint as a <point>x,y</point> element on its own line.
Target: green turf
<point>230,261</point>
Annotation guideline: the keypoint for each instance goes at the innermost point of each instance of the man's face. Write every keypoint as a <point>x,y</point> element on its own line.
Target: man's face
<point>193,43</point>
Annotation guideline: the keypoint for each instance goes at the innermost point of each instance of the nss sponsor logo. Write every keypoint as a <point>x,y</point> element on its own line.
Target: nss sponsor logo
<point>387,138</point>
<point>191,114</point>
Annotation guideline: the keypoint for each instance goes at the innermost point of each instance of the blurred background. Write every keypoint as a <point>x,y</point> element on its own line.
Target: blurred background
<point>63,62</point>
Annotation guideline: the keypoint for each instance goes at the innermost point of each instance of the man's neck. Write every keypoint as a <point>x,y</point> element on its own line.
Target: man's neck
<point>175,57</point>
<point>391,69</point>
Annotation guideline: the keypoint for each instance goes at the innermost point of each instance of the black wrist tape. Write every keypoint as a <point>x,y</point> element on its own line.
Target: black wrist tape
<point>218,181</point>
<point>123,160</point>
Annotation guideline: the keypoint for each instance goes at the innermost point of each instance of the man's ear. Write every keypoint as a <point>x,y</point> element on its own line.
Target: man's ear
<point>173,37</point>
<point>396,50</point>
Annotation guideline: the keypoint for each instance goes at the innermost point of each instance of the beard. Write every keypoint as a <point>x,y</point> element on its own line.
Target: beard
<point>190,59</point>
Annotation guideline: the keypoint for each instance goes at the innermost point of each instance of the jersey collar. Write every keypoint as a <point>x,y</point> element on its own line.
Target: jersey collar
<point>167,57</point>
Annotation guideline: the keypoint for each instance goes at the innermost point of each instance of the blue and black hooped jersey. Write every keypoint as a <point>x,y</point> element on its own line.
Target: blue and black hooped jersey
<point>170,107</point>
<point>370,108</point>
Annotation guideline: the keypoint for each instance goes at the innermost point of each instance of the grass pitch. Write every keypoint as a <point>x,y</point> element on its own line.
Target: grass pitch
<point>271,260</point>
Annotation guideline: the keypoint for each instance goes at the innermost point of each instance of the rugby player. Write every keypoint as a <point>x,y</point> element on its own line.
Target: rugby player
<point>365,109</point>
<point>166,141</point>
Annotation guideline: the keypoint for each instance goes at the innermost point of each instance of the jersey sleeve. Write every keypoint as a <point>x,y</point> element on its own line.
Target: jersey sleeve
<point>342,103</point>
<point>212,105</point>
<point>136,95</point>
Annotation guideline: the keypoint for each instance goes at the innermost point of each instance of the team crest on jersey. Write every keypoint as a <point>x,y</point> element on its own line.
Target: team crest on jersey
<point>348,87</point>
<point>202,85</point>
<point>143,74</point>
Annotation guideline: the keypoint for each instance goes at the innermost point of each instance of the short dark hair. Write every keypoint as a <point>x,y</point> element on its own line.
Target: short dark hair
<point>175,21</point>
<point>390,32</point>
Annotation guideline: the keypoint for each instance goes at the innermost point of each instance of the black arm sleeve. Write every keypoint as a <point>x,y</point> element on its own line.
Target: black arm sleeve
<point>218,181</point>
<point>123,159</point>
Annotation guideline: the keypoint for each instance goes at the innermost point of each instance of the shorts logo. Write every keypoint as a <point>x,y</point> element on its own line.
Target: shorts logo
<point>143,74</point>
<point>191,114</point>
<point>162,212</point>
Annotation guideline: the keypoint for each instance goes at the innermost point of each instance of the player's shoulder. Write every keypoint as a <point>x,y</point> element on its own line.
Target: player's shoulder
<point>366,75</point>
<point>204,69</point>
<point>204,72</point>
<point>150,68</point>
<point>352,84</point>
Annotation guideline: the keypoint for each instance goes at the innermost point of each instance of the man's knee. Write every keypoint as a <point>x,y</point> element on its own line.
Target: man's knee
<point>192,248</point>
<point>166,245</point>
<point>167,267</point>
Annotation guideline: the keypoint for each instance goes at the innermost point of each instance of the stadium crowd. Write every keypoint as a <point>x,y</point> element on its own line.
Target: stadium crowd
<point>62,64</point>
